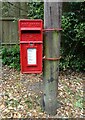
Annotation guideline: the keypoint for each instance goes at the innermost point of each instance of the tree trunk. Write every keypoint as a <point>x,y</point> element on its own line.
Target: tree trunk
<point>52,19</point>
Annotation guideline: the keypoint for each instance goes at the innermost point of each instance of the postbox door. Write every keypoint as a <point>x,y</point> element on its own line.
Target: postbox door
<point>31,58</point>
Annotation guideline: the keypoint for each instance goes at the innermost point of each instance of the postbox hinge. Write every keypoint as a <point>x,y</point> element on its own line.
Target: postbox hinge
<point>52,29</point>
<point>53,59</point>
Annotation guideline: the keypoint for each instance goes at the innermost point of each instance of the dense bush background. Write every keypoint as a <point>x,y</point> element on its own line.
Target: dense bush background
<point>73,37</point>
<point>72,42</point>
<point>11,56</point>
<point>36,10</point>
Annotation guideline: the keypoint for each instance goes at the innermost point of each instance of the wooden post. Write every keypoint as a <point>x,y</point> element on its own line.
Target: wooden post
<point>52,19</point>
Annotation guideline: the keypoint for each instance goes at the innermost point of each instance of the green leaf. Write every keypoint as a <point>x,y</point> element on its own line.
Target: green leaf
<point>79,103</point>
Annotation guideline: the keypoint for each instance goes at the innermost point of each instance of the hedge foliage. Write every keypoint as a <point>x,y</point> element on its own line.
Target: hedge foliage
<point>73,38</point>
<point>11,57</point>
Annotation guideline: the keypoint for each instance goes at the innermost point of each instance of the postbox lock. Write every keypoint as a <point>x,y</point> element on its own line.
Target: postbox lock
<point>31,44</point>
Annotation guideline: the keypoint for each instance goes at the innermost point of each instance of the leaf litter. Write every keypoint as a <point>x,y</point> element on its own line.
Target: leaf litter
<point>20,95</point>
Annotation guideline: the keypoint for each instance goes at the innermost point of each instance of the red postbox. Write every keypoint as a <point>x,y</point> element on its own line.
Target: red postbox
<point>31,40</point>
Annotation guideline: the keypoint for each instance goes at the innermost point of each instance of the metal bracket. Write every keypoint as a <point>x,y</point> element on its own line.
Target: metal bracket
<point>53,59</point>
<point>52,29</point>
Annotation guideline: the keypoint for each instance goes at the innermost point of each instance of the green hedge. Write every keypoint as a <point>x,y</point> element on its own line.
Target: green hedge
<point>11,57</point>
<point>73,38</point>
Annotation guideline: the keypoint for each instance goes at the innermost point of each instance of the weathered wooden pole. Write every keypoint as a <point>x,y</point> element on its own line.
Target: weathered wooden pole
<point>52,19</point>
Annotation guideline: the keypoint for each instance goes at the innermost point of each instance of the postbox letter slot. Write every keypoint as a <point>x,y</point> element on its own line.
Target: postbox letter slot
<point>28,29</point>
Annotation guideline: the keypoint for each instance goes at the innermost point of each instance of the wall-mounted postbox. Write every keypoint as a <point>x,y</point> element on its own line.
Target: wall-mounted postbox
<point>31,40</point>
